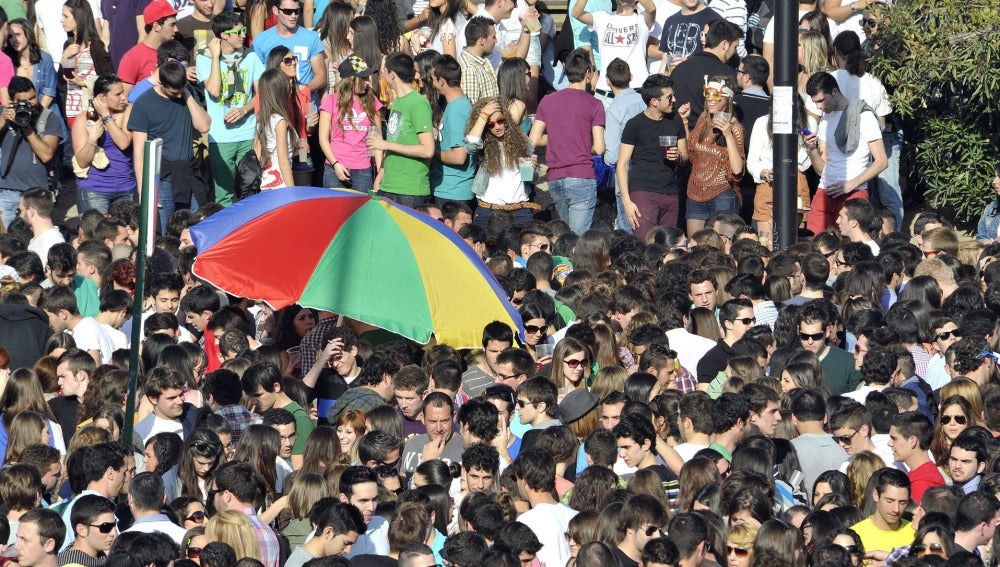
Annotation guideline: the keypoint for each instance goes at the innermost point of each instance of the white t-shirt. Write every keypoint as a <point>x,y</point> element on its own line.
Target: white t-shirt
<point>769,28</point>
<point>841,166</point>
<point>621,37</point>
<point>89,335</point>
<point>867,88</point>
<point>687,451</point>
<point>161,425</point>
<point>550,522</point>
<point>505,188</point>
<point>118,338</point>
<point>449,28</point>
<point>690,347</point>
<point>40,244</point>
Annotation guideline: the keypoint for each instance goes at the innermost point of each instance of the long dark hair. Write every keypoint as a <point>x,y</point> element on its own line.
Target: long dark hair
<point>848,46</point>
<point>384,14</point>
<point>202,442</point>
<point>332,27</point>
<point>366,41</point>
<point>86,30</point>
<point>510,80</point>
<point>34,53</point>
<point>449,10</point>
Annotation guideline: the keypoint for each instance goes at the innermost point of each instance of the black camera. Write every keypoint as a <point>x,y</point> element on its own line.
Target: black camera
<point>24,113</point>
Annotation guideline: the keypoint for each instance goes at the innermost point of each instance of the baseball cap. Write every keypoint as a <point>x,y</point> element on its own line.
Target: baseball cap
<point>354,66</point>
<point>156,11</point>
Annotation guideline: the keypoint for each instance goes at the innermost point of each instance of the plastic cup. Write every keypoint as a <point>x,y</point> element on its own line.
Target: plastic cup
<point>534,26</point>
<point>725,116</point>
<point>667,143</point>
<point>527,169</point>
<point>543,350</point>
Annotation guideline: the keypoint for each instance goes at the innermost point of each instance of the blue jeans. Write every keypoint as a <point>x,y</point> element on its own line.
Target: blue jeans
<point>411,201</point>
<point>87,199</point>
<point>889,193</point>
<point>10,201</point>
<point>621,221</point>
<point>165,205</point>
<point>725,202</point>
<point>575,200</point>
<point>482,216</point>
<point>361,179</point>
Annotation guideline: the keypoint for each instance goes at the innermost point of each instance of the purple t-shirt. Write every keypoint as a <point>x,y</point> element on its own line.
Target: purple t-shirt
<point>569,116</point>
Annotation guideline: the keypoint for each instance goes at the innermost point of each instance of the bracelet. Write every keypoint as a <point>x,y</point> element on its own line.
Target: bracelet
<point>484,116</point>
<point>334,164</point>
<point>108,118</point>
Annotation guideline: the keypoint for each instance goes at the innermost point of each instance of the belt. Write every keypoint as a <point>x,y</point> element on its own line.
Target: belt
<point>511,207</point>
<point>604,93</point>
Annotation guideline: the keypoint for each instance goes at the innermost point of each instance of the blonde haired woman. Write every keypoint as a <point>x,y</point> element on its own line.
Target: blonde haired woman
<point>234,528</point>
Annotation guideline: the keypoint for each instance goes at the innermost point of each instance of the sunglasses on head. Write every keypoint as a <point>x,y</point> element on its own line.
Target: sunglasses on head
<point>738,551</point>
<point>573,362</point>
<point>812,336</point>
<point>192,552</point>
<point>920,549</point>
<point>104,528</point>
<point>959,419</point>
<point>197,516</point>
<point>498,122</point>
<point>532,329</point>
<point>505,394</point>
<point>945,335</point>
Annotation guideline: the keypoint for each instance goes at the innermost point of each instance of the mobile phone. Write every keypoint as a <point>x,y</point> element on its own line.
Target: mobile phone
<point>806,132</point>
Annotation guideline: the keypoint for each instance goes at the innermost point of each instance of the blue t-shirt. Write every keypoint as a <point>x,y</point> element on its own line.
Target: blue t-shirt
<point>305,44</point>
<point>169,119</point>
<point>235,92</point>
<point>453,182</point>
<point>584,36</point>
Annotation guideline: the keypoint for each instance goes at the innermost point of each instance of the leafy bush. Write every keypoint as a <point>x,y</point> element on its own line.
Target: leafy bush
<point>941,61</point>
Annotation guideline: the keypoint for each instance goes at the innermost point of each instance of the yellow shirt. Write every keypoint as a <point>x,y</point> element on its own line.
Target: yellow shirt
<point>875,539</point>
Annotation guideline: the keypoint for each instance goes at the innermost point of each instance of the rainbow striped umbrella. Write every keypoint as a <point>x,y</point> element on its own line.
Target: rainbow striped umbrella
<point>360,256</point>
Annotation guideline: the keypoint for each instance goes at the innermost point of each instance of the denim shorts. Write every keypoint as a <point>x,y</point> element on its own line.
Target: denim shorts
<point>724,202</point>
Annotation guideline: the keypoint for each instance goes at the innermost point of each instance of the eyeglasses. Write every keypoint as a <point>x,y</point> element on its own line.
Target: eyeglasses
<point>104,528</point>
<point>197,517</point>
<point>651,530</point>
<point>573,362</point>
<point>811,336</point>
<point>290,11</point>
<point>959,419</point>
<point>920,549</point>
<point>870,22</point>
<point>290,60</point>
<point>845,439</point>
<point>737,551</point>
<point>746,320</point>
<point>242,32</point>
<point>498,122</point>
<point>945,335</point>
<point>503,377</point>
<point>522,403</point>
<point>532,329</point>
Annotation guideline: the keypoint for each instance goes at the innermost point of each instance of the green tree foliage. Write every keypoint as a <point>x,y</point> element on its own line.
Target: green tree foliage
<point>941,61</point>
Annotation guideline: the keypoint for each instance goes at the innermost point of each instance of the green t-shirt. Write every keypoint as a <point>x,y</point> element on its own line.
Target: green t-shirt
<point>409,116</point>
<point>85,291</point>
<point>303,427</point>
<point>14,10</point>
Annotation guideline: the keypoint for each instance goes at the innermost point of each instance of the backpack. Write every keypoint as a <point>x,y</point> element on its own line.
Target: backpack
<point>760,14</point>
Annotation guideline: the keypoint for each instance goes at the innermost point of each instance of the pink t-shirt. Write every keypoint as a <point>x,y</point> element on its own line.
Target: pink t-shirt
<point>348,141</point>
<point>6,70</point>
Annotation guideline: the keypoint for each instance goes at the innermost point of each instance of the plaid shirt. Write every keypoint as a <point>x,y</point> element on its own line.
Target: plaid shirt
<point>270,551</point>
<point>239,419</point>
<point>479,80</point>
<point>311,342</point>
<point>686,382</point>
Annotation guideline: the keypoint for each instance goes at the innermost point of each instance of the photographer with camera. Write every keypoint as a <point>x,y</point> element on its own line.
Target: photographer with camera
<point>29,136</point>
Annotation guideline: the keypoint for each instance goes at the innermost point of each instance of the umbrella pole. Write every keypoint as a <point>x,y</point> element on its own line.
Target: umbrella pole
<point>148,197</point>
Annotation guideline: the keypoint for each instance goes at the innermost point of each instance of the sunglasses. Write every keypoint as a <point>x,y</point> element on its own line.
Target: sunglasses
<point>811,336</point>
<point>504,394</point>
<point>498,122</point>
<point>738,551</point>
<point>104,528</point>
<point>870,22</point>
<point>713,94</point>
<point>945,335</point>
<point>290,60</point>
<point>845,439</point>
<point>853,550</point>
<point>532,329</point>
<point>920,549</point>
<point>290,11</point>
<point>242,32</point>
<point>198,517</point>
<point>746,320</point>
<point>959,419</point>
<point>573,362</point>
<point>522,403</point>
<point>192,552</point>
<point>650,530</point>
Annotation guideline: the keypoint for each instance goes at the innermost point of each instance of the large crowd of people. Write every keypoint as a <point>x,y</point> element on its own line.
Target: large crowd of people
<point>676,396</point>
